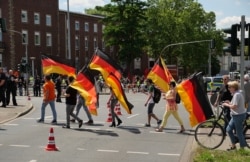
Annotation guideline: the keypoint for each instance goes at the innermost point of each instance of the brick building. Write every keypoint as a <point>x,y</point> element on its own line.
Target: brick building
<point>36,27</point>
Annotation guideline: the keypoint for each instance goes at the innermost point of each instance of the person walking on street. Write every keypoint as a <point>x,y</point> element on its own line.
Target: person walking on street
<point>223,96</point>
<point>171,108</point>
<point>113,101</point>
<point>2,87</point>
<point>71,97</point>
<point>37,86</point>
<point>81,103</point>
<point>247,92</point>
<point>48,98</point>
<point>150,103</point>
<point>20,85</point>
<point>58,88</point>
<point>238,113</point>
<point>11,83</point>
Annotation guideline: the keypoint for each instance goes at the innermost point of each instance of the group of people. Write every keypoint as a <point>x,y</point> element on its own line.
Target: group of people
<point>49,97</point>
<point>234,104</point>
<point>8,87</point>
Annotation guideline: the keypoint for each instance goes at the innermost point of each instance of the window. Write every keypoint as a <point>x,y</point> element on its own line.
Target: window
<point>36,18</point>
<point>95,28</point>
<point>86,43</point>
<point>86,27</point>
<point>48,20</point>
<point>77,25</point>
<point>24,16</point>
<point>103,27</point>
<point>48,40</point>
<point>77,42</point>
<point>95,43</point>
<point>37,38</point>
<point>25,37</point>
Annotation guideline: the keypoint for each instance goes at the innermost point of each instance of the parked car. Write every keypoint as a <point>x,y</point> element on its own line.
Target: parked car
<point>213,83</point>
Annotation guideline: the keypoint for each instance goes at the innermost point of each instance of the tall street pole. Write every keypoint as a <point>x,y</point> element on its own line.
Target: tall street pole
<point>68,24</point>
<point>242,59</point>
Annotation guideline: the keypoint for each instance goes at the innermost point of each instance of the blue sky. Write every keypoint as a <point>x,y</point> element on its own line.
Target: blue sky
<point>227,12</point>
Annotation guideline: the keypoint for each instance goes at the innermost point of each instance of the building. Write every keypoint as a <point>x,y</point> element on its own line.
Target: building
<point>39,27</point>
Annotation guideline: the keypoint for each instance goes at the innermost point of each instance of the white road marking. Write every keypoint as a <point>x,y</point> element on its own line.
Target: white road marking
<point>12,124</point>
<point>107,150</point>
<point>134,152</point>
<point>167,154</point>
<point>33,161</point>
<point>156,132</point>
<point>20,145</point>
<point>81,149</point>
<point>131,116</point>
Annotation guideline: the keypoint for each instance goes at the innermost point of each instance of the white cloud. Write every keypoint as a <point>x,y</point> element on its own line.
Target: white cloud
<point>228,21</point>
<point>80,5</point>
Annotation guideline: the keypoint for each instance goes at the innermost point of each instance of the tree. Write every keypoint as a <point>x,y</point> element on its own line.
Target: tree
<point>175,21</point>
<point>124,27</point>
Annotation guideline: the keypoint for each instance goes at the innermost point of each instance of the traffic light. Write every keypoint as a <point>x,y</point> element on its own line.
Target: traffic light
<point>19,67</point>
<point>212,44</point>
<point>23,61</point>
<point>3,25</point>
<point>233,40</point>
<point>247,40</point>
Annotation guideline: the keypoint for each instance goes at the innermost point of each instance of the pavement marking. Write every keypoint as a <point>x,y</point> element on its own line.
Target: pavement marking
<point>131,116</point>
<point>134,152</point>
<point>81,149</point>
<point>157,132</point>
<point>20,145</point>
<point>167,154</point>
<point>11,124</point>
<point>33,161</point>
<point>107,150</point>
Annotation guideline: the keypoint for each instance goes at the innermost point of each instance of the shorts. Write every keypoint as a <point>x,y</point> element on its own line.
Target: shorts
<point>150,108</point>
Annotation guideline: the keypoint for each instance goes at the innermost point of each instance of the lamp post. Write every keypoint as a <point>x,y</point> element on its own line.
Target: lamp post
<point>33,72</point>
<point>26,56</point>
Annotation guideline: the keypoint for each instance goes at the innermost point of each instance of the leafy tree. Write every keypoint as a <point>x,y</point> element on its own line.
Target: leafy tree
<point>124,26</point>
<point>175,21</point>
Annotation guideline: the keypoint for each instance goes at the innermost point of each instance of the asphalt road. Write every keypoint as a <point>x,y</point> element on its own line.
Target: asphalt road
<point>25,140</point>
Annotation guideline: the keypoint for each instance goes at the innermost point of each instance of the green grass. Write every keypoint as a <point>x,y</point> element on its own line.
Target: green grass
<point>205,155</point>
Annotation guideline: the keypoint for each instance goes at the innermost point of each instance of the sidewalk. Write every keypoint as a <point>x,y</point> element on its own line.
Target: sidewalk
<point>11,112</point>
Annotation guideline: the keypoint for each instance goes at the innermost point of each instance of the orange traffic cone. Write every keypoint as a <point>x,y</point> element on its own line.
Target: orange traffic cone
<point>109,115</point>
<point>51,143</point>
<point>118,109</point>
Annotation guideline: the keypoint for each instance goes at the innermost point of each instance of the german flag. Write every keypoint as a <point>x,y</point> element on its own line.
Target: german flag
<point>160,75</point>
<point>195,100</point>
<point>50,66</point>
<point>116,86</point>
<point>85,84</point>
<point>105,64</point>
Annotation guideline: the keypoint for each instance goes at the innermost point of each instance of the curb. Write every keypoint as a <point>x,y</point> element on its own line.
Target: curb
<point>30,107</point>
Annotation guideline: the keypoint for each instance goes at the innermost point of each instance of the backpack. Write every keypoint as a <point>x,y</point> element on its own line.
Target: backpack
<point>177,98</point>
<point>157,95</point>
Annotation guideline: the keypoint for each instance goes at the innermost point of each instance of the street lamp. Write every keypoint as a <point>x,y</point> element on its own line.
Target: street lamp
<point>32,59</point>
<point>26,56</point>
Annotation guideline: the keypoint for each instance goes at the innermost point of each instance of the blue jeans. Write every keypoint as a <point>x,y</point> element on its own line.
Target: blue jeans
<point>81,103</point>
<point>53,109</point>
<point>236,123</point>
<point>248,108</point>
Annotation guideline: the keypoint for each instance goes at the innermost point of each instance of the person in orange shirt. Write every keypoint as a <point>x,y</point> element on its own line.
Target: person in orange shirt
<point>48,98</point>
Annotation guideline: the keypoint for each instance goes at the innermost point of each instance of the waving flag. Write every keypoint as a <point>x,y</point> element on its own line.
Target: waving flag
<point>160,75</point>
<point>195,100</point>
<point>85,84</point>
<point>116,86</point>
<point>50,66</point>
<point>105,64</point>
